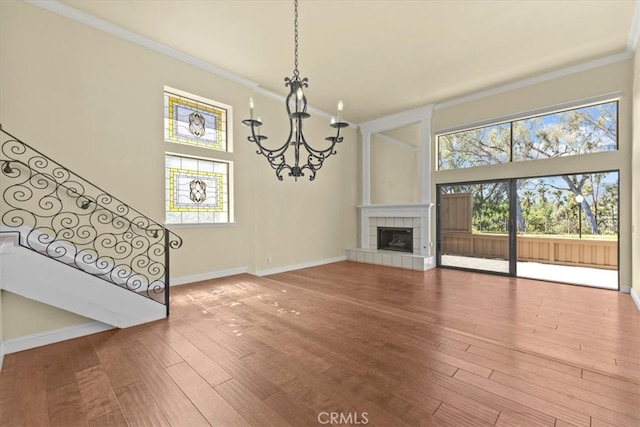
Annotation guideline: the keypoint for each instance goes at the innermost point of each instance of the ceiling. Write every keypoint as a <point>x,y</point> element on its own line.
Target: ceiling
<point>381,57</point>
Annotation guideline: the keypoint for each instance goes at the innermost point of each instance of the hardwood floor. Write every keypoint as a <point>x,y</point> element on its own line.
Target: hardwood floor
<point>347,343</point>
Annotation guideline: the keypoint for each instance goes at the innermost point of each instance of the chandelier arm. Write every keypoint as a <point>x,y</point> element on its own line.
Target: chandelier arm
<point>275,152</point>
<point>316,158</point>
<point>312,166</point>
<point>278,163</point>
<point>316,165</point>
<point>275,157</point>
<point>314,161</point>
<point>312,169</point>
<point>261,148</point>
<point>279,171</point>
<point>324,152</point>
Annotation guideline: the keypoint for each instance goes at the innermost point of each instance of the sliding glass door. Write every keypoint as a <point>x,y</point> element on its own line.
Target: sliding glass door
<point>558,228</point>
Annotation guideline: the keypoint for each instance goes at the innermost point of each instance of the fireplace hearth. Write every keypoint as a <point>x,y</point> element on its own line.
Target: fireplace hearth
<point>398,239</point>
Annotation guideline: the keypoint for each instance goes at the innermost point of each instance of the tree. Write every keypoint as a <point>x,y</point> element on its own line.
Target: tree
<point>547,206</point>
<point>608,209</point>
<point>567,133</point>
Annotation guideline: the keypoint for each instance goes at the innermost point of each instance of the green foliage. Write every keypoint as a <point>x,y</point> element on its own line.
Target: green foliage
<point>548,208</point>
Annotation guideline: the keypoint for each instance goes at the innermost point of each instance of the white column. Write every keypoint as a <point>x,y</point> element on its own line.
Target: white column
<point>366,169</point>
<point>426,160</point>
<point>364,230</point>
<point>425,232</point>
<point>427,167</point>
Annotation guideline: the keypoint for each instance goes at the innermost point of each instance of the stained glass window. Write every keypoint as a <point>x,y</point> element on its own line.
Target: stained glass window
<point>197,190</point>
<point>194,122</point>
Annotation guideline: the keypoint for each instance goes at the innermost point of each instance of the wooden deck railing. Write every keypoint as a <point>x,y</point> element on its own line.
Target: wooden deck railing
<point>543,249</point>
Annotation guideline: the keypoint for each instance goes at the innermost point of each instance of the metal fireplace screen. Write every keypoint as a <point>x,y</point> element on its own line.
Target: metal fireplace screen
<point>395,239</point>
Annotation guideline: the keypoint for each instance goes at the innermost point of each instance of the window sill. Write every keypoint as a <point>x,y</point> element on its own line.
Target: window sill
<point>211,225</point>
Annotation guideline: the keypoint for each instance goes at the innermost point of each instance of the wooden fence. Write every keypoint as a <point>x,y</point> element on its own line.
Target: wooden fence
<point>543,249</point>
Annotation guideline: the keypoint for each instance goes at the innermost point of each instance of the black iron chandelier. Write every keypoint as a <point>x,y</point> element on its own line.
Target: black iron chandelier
<point>296,104</point>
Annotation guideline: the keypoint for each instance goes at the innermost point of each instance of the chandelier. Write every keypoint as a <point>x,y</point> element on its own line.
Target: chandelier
<point>304,156</point>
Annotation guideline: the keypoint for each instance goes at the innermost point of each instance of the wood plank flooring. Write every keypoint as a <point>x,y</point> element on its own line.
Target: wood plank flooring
<point>347,344</point>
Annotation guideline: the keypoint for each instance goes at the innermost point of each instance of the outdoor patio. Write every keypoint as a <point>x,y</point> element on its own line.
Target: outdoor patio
<point>585,276</point>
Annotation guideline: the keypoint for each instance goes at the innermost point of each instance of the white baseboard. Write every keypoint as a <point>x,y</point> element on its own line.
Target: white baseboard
<point>178,281</point>
<point>1,354</point>
<point>625,289</point>
<point>635,298</point>
<point>50,337</point>
<point>286,268</point>
<point>8,239</point>
<point>431,262</point>
<point>207,276</point>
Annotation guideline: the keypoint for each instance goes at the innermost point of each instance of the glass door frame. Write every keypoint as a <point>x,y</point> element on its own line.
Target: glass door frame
<point>512,229</point>
<point>511,224</point>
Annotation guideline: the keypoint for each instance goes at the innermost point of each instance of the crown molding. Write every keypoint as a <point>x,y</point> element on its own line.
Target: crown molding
<point>634,32</point>
<point>122,33</point>
<point>115,30</point>
<point>396,120</point>
<point>596,63</point>
<point>632,43</point>
<point>574,103</point>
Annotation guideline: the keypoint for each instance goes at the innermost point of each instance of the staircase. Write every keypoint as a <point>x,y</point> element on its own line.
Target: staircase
<point>68,243</point>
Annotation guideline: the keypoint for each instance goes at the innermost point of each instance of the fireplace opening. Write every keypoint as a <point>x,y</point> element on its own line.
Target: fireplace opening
<point>395,239</point>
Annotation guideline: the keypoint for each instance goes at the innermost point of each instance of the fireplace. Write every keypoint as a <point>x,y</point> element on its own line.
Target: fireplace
<point>416,217</point>
<point>395,239</point>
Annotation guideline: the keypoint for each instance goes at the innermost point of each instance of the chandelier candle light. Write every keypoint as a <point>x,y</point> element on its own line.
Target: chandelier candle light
<point>296,104</point>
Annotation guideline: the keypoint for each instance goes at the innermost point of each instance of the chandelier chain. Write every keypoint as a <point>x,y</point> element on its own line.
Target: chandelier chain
<point>296,73</point>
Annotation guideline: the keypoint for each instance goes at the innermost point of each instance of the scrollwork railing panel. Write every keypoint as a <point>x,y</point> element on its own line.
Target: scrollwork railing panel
<point>63,216</point>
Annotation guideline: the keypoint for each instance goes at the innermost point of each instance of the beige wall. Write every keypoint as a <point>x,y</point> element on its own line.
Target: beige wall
<point>395,176</point>
<point>635,209</point>
<point>94,103</point>
<point>591,83</point>
<point>25,316</point>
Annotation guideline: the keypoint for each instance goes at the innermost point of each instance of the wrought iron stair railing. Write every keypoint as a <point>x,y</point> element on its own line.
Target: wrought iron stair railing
<point>63,216</point>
